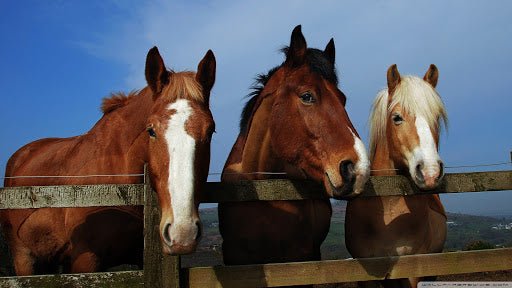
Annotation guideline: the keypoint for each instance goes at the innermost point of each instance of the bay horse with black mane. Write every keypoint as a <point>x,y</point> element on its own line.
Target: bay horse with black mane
<point>169,125</point>
<point>404,139</point>
<point>296,123</point>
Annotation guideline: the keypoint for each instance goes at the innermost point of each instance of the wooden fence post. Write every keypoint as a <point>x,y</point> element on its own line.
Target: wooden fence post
<point>160,271</point>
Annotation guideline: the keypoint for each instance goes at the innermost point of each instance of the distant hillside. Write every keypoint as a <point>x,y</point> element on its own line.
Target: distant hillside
<point>462,230</point>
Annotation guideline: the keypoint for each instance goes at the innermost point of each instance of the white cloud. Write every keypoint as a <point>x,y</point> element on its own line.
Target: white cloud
<point>468,40</point>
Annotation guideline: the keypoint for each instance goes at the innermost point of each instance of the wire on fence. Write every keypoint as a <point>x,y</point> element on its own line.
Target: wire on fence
<point>220,173</point>
<point>72,176</point>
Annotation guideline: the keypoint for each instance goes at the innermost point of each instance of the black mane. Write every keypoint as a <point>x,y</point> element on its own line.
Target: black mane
<point>317,62</point>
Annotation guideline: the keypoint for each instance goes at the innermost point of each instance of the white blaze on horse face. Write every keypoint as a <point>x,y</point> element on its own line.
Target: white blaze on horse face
<point>362,167</point>
<point>181,181</point>
<point>426,153</point>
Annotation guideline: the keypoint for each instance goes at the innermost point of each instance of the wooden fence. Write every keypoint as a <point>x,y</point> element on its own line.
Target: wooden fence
<point>165,271</point>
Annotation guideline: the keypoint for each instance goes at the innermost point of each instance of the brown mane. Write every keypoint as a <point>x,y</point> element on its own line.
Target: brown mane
<point>116,100</point>
<point>184,86</point>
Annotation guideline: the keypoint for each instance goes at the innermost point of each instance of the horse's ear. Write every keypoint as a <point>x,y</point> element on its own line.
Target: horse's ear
<point>393,78</point>
<point>432,75</point>
<point>330,51</point>
<point>206,73</point>
<point>156,74</point>
<point>296,53</point>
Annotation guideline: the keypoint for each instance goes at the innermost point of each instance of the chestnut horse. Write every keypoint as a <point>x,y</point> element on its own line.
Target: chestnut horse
<point>168,125</point>
<point>295,123</point>
<point>405,127</point>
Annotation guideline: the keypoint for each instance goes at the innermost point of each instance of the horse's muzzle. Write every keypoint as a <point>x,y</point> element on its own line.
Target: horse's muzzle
<point>428,177</point>
<point>180,239</point>
<point>344,190</point>
<point>350,181</point>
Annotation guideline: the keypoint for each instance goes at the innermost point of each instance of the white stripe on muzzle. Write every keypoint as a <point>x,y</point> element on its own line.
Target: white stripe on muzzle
<point>181,173</point>
<point>426,153</point>
<point>362,167</point>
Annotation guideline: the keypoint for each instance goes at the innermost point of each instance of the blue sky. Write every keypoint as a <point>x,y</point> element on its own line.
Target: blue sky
<point>60,58</point>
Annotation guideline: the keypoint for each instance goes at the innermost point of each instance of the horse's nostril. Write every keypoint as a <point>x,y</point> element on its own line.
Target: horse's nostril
<point>199,231</point>
<point>419,174</point>
<point>441,170</point>
<point>347,171</point>
<point>166,233</point>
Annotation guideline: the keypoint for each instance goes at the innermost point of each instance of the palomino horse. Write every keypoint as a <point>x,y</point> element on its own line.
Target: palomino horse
<point>405,127</point>
<point>295,123</point>
<point>168,125</point>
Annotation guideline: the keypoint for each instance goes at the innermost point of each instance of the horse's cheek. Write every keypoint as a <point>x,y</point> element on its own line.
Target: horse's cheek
<point>287,140</point>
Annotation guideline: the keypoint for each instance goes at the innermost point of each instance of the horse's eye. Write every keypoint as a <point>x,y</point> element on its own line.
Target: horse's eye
<point>307,98</point>
<point>397,119</point>
<point>151,132</point>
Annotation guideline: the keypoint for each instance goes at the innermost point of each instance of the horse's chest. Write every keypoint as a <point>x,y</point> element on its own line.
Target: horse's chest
<point>393,207</point>
<point>42,233</point>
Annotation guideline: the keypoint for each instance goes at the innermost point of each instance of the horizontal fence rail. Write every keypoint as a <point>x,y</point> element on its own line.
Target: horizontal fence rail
<point>263,190</point>
<point>284,189</point>
<point>335,271</point>
<point>71,196</point>
<point>164,271</point>
<point>273,275</point>
<point>133,279</point>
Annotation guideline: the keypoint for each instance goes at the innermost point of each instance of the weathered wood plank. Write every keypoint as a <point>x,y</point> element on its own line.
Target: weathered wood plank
<point>126,279</point>
<point>276,189</point>
<point>335,271</point>
<point>477,181</point>
<point>160,270</point>
<point>452,183</point>
<point>171,271</point>
<point>71,196</point>
<point>271,275</point>
<point>152,249</point>
<point>281,189</point>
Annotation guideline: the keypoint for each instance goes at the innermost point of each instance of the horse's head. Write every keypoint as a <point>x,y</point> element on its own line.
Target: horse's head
<point>308,125</point>
<point>180,128</point>
<point>412,112</point>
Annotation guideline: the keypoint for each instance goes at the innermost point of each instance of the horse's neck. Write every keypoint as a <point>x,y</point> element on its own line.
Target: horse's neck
<point>252,152</point>
<point>383,165</point>
<point>381,162</point>
<point>125,128</point>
